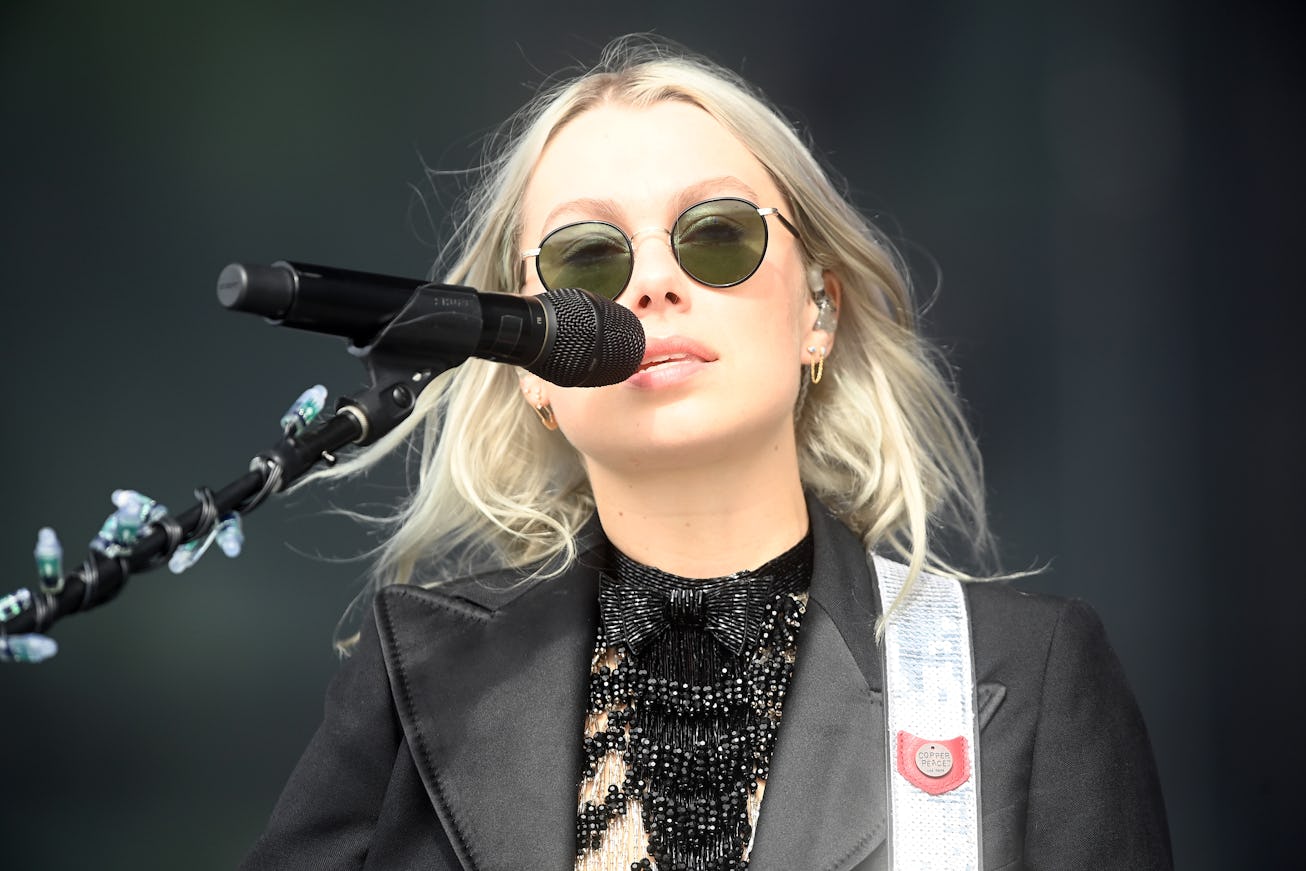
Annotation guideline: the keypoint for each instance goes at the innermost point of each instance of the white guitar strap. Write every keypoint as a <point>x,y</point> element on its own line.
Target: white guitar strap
<point>929,708</point>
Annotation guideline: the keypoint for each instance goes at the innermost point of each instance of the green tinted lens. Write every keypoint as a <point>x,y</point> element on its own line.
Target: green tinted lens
<point>720,242</point>
<point>592,255</point>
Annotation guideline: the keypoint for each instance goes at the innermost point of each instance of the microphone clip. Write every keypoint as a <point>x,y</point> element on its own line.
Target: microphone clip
<point>439,324</point>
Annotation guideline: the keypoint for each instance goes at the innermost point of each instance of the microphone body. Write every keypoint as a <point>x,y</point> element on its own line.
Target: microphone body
<point>568,337</point>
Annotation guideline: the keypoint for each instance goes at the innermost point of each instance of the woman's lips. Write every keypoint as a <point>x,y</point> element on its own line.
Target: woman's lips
<point>669,361</point>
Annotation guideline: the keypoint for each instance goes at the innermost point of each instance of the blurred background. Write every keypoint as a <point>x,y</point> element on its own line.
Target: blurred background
<point>1102,201</point>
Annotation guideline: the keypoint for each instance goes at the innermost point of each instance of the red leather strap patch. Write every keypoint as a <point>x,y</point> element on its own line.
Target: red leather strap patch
<point>933,766</point>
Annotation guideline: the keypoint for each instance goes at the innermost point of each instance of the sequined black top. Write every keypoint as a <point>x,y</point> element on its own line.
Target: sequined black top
<point>685,701</point>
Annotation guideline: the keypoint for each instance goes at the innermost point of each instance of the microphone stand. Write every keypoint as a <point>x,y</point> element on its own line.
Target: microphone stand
<point>401,360</point>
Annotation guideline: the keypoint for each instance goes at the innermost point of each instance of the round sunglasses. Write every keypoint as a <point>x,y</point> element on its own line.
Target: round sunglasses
<point>718,242</point>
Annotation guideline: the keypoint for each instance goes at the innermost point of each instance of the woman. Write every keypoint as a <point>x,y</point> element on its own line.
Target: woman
<point>679,661</point>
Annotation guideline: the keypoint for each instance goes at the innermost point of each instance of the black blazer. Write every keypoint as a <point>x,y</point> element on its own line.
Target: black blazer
<point>452,737</point>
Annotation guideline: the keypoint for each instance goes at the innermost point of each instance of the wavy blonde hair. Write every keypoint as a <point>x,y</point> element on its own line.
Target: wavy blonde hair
<point>881,439</point>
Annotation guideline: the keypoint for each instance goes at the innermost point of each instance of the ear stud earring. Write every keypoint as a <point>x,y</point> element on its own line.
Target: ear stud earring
<point>818,368</point>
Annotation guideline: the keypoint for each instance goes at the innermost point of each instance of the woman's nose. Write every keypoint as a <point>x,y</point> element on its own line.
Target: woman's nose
<point>656,281</point>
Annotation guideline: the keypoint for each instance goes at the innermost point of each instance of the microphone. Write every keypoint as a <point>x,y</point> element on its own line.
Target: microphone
<point>568,336</point>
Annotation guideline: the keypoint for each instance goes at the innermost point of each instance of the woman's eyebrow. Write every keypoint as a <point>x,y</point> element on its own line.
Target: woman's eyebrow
<point>713,187</point>
<point>608,210</point>
<point>605,210</point>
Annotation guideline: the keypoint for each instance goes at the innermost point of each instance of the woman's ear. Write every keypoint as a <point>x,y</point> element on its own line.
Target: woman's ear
<point>823,306</point>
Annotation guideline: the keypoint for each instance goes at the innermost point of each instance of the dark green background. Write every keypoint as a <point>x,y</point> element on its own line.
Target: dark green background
<point>1111,192</point>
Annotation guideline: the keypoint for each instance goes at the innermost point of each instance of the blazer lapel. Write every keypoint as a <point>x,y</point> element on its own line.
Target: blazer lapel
<point>492,695</point>
<point>824,806</point>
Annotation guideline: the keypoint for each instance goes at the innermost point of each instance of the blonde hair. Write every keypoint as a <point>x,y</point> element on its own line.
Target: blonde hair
<point>881,439</point>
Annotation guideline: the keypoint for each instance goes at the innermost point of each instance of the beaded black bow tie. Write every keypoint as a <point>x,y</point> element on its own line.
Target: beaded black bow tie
<point>639,603</point>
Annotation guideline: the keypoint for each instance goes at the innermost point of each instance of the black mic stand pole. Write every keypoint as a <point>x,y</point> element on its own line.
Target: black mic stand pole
<point>401,361</point>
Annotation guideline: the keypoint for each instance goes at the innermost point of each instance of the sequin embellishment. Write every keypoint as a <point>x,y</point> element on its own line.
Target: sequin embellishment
<point>679,733</point>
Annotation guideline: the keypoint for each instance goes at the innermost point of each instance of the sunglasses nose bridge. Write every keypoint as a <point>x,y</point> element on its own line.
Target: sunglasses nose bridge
<point>647,230</point>
<point>661,232</point>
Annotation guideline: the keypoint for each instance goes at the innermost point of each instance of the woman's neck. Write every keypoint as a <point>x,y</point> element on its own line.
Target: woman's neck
<point>703,523</point>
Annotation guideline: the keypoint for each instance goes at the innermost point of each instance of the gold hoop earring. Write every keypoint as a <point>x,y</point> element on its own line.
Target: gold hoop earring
<point>817,372</point>
<point>544,412</point>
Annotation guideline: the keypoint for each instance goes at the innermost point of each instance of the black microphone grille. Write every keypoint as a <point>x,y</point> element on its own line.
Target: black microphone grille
<point>597,342</point>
